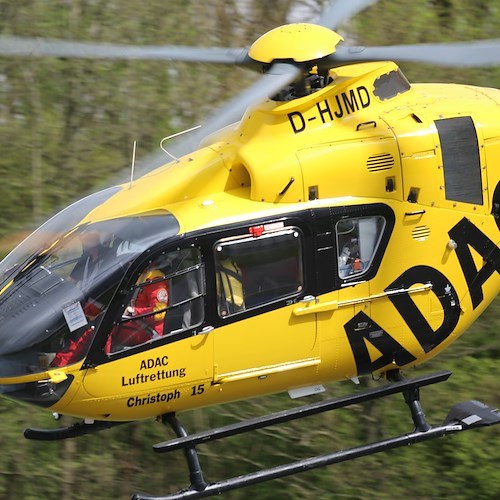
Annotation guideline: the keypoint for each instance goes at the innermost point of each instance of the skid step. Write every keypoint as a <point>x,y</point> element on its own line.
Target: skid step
<point>473,414</point>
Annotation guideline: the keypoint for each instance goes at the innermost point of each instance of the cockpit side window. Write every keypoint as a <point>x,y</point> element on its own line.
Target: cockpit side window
<point>166,299</point>
<point>255,270</point>
<point>357,241</point>
<point>56,299</point>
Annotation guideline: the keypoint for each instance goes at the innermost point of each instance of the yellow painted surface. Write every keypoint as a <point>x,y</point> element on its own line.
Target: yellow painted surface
<point>318,141</point>
<point>300,42</point>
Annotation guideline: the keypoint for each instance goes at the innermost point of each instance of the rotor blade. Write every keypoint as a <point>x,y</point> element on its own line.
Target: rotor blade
<point>278,76</point>
<point>340,11</point>
<point>470,54</point>
<point>38,47</point>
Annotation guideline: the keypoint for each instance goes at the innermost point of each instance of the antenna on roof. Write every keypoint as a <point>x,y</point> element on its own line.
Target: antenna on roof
<point>175,135</point>
<point>133,165</point>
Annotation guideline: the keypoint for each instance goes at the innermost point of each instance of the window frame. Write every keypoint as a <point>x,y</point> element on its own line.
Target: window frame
<point>119,303</point>
<point>377,243</point>
<point>277,301</point>
<point>324,252</point>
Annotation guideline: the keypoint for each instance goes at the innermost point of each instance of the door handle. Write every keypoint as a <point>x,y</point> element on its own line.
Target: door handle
<point>206,329</point>
<point>308,299</point>
<point>314,306</point>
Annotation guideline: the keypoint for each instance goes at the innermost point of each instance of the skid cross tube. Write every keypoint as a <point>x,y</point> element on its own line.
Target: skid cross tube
<point>412,399</point>
<point>461,417</point>
<point>309,464</point>
<point>195,472</point>
<point>400,386</point>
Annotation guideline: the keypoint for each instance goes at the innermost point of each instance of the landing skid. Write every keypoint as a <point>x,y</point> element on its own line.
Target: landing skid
<point>75,430</point>
<point>462,417</point>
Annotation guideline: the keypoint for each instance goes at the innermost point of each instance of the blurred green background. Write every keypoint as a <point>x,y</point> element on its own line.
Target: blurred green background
<point>67,127</point>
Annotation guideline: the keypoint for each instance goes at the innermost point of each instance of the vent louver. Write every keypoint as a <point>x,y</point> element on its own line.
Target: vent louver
<point>383,161</point>
<point>421,233</point>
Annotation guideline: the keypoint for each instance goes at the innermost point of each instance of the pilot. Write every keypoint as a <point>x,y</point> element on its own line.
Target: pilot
<point>143,325</point>
<point>93,254</point>
<point>86,271</point>
<point>88,267</point>
<point>75,350</point>
<point>149,298</point>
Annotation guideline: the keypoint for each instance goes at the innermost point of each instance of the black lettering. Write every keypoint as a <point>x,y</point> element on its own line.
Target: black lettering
<point>467,234</point>
<point>301,126</point>
<point>351,104</point>
<point>152,399</point>
<point>196,390</point>
<point>142,378</point>
<point>340,112</point>
<point>325,110</point>
<point>153,363</point>
<point>363,92</point>
<point>362,329</point>
<point>444,291</point>
<point>173,395</point>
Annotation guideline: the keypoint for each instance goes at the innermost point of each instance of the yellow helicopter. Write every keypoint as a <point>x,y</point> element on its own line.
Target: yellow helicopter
<point>347,225</point>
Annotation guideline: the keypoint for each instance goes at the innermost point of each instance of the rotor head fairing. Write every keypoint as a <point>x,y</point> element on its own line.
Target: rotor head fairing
<point>299,42</point>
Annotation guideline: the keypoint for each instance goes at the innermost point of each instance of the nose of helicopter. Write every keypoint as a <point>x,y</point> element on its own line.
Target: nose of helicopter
<point>20,368</point>
<point>27,377</point>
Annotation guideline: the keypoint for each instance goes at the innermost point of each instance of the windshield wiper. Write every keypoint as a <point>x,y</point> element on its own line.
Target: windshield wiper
<point>28,264</point>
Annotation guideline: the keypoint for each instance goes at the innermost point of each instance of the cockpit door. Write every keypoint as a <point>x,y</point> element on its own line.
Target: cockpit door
<point>152,343</point>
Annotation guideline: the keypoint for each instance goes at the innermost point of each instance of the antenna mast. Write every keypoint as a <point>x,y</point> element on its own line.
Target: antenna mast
<point>171,137</point>
<point>133,164</point>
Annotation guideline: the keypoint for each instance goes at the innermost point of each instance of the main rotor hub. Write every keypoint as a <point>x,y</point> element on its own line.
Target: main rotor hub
<point>300,42</point>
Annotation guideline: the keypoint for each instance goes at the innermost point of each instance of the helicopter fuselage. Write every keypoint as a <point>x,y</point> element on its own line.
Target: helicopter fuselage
<point>349,232</point>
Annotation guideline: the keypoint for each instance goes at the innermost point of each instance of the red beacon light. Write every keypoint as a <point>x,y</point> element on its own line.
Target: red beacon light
<point>256,231</point>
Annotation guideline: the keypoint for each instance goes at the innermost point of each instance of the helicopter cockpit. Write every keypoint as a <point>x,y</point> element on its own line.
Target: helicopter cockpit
<point>56,286</point>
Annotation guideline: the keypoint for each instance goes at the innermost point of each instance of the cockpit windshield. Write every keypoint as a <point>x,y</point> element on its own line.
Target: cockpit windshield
<point>49,232</point>
<point>63,291</point>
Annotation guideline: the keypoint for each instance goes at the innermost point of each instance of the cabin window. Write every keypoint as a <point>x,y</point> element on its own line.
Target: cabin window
<point>256,270</point>
<point>357,241</point>
<point>167,298</point>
